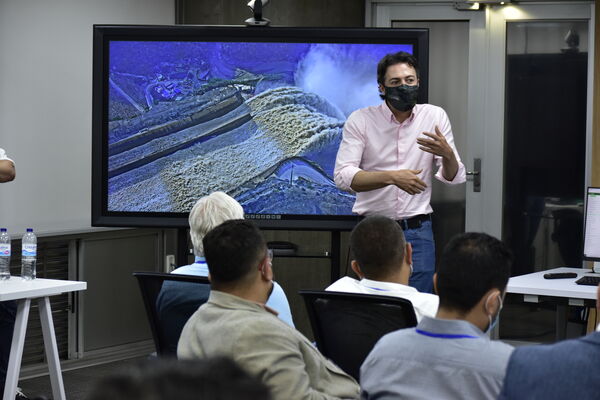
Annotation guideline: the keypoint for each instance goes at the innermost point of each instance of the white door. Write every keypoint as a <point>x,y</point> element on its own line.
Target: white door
<point>483,135</point>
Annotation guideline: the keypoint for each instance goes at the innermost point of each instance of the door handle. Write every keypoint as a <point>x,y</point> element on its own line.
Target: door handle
<point>475,175</point>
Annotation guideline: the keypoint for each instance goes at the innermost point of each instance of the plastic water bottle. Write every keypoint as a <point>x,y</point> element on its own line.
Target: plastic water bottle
<point>4,255</point>
<point>29,246</point>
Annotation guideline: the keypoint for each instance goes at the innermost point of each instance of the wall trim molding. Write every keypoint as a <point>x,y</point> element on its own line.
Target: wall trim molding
<point>91,358</point>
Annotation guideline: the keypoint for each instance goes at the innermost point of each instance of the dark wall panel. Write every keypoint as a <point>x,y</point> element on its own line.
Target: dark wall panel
<point>329,13</point>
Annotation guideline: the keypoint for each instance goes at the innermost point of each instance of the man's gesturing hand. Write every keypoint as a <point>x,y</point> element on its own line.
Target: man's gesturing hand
<point>436,145</point>
<point>407,180</point>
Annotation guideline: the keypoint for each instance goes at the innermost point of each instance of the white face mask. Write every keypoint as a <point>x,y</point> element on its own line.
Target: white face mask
<point>494,321</point>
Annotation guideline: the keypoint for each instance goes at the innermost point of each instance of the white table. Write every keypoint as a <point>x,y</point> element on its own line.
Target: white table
<point>565,292</point>
<point>24,291</point>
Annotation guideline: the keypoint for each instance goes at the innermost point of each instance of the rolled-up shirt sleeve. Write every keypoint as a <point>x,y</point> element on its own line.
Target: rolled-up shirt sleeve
<point>461,175</point>
<point>347,162</point>
<point>3,156</point>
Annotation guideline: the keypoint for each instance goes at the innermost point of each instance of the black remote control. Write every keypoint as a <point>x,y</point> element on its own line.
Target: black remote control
<point>560,275</point>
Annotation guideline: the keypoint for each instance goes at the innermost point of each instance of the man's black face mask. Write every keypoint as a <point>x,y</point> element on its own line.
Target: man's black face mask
<point>403,97</point>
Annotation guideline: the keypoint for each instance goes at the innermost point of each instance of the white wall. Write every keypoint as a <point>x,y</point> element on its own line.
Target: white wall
<point>46,104</point>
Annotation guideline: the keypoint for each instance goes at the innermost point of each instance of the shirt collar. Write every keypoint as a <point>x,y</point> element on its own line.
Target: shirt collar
<point>450,326</point>
<point>385,109</point>
<point>386,286</point>
<point>230,301</point>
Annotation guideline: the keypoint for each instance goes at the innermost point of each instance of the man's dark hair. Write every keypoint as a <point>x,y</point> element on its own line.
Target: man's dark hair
<point>378,244</point>
<point>232,250</point>
<point>388,60</point>
<point>470,265</point>
<point>165,379</point>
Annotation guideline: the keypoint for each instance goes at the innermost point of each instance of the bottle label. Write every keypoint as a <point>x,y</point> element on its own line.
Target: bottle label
<point>4,249</point>
<point>29,250</point>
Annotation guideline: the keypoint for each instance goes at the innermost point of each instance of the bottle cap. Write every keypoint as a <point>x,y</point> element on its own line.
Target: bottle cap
<point>29,229</point>
<point>2,229</point>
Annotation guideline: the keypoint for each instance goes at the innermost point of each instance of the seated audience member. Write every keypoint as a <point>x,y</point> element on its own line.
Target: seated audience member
<point>383,262</point>
<point>565,370</point>
<point>178,300</point>
<point>449,356</point>
<point>235,322</point>
<point>164,379</point>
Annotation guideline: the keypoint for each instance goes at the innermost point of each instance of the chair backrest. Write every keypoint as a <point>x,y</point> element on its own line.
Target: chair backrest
<point>346,326</point>
<point>170,300</point>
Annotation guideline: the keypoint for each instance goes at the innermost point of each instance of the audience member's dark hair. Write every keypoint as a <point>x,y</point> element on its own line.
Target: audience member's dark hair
<point>166,379</point>
<point>388,60</point>
<point>232,249</point>
<point>378,245</point>
<point>471,264</point>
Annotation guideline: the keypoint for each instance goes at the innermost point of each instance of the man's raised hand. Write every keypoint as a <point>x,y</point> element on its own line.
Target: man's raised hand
<point>437,144</point>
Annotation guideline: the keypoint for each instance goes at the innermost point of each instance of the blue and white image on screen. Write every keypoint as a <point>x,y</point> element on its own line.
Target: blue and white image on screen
<point>259,121</point>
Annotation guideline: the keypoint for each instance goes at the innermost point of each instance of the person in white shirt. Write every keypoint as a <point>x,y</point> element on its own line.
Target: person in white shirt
<point>8,309</point>
<point>383,262</point>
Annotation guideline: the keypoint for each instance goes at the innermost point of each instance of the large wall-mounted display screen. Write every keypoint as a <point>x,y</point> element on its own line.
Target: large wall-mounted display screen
<point>180,112</point>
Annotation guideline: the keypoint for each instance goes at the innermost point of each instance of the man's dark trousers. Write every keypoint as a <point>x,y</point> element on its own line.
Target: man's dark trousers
<point>8,311</point>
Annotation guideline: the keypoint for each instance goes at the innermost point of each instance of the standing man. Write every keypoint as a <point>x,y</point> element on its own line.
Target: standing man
<point>387,156</point>
<point>8,309</point>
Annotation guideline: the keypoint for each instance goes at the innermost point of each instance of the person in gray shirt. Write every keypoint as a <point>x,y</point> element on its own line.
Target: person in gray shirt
<point>449,356</point>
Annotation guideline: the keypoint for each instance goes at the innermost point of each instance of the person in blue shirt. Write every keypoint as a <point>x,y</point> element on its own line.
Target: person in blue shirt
<point>449,356</point>
<point>178,300</point>
<point>565,370</point>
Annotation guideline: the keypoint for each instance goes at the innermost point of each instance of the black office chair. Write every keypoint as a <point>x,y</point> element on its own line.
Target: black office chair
<point>346,326</point>
<point>170,300</point>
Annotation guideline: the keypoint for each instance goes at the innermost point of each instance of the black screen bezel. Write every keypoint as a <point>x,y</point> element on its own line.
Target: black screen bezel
<point>103,34</point>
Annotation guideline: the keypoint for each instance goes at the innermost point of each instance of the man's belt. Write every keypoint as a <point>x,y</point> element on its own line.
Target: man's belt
<point>414,222</point>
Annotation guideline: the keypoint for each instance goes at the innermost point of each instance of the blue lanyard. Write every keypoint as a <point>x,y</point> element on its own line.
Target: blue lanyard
<point>445,335</point>
<point>378,289</point>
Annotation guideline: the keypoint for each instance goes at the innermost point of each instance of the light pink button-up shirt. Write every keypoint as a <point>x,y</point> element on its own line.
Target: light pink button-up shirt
<point>374,141</point>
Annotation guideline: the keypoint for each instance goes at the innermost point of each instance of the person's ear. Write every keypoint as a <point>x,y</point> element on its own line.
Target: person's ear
<point>435,283</point>
<point>356,268</point>
<point>265,269</point>
<point>408,253</point>
<point>269,273</point>
<point>381,89</point>
<point>492,302</point>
